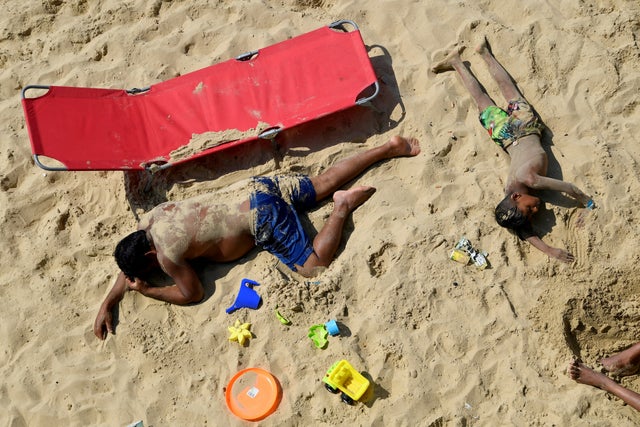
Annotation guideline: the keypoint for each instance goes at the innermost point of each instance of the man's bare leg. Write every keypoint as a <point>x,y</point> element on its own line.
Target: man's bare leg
<point>623,363</point>
<point>507,87</point>
<point>582,374</point>
<point>454,62</point>
<point>327,241</point>
<point>344,171</point>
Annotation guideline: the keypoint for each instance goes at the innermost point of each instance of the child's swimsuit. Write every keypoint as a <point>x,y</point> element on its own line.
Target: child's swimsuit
<point>506,127</point>
<point>277,227</point>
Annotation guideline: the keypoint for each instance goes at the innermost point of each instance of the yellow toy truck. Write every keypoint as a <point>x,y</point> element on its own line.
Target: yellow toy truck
<point>341,377</point>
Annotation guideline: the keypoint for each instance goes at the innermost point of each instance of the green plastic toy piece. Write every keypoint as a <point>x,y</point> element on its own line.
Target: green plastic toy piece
<point>318,335</point>
<point>281,318</point>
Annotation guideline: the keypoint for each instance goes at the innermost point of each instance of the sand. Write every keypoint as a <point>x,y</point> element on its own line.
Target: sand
<point>491,350</point>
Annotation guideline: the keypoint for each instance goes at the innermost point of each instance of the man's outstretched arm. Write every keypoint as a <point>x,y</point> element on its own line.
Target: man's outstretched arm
<point>552,252</point>
<point>103,324</point>
<point>188,289</point>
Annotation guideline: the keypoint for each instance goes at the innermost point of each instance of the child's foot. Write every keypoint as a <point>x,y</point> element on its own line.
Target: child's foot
<point>447,64</point>
<point>483,47</point>
<point>581,373</point>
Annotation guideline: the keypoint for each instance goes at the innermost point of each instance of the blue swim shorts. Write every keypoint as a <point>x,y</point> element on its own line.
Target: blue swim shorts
<point>276,201</point>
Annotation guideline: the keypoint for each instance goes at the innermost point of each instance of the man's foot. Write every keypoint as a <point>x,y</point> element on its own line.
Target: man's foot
<point>622,364</point>
<point>346,201</point>
<point>581,373</point>
<point>447,64</point>
<point>400,146</point>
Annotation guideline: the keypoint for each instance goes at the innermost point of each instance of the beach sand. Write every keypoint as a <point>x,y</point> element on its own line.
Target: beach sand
<point>444,344</point>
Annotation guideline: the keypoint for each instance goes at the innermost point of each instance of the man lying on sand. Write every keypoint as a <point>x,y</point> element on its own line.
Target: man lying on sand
<point>517,131</point>
<point>625,363</point>
<point>224,226</point>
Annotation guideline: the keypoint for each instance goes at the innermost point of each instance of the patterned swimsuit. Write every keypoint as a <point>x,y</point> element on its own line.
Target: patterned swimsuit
<point>506,127</point>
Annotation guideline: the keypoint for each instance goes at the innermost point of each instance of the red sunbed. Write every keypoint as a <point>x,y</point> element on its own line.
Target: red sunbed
<point>255,95</point>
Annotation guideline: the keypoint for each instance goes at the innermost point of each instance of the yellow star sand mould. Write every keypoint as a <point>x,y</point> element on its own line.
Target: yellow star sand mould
<point>240,332</point>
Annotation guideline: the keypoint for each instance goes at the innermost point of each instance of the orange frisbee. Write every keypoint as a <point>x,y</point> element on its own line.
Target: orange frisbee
<point>253,394</point>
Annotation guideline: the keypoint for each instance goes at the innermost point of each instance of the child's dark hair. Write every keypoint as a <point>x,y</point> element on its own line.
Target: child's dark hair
<point>509,216</point>
<point>130,254</point>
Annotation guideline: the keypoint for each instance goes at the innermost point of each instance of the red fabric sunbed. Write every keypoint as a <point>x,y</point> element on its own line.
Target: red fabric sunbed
<point>253,96</point>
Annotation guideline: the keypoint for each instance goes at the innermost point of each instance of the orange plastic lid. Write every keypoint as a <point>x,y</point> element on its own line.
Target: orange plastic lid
<point>253,394</point>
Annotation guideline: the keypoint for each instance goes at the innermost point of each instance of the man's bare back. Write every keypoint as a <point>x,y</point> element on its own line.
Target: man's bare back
<point>215,226</point>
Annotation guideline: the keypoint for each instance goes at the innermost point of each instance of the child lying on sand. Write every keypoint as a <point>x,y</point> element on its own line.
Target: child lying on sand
<point>517,131</point>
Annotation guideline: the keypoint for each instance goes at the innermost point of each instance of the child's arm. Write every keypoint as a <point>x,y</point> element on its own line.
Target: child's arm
<point>545,183</point>
<point>556,253</point>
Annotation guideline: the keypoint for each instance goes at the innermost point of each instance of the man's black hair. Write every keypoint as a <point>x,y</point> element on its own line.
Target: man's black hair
<point>130,254</point>
<point>509,216</point>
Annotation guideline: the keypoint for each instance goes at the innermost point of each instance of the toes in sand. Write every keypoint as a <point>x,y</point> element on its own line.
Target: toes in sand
<point>401,146</point>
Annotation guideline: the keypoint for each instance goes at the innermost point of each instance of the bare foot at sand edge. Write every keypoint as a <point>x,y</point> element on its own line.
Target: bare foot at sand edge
<point>447,64</point>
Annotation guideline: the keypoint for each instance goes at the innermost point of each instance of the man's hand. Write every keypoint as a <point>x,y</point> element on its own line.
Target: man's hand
<point>103,324</point>
<point>104,320</point>
<point>561,255</point>
<point>172,293</point>
<point>138,285</point>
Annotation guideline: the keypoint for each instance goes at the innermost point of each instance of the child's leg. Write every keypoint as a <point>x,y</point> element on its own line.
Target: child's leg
<point>344,171</point>
<point>505,83</point>
<point>584,375</point>
<point>454,62</point>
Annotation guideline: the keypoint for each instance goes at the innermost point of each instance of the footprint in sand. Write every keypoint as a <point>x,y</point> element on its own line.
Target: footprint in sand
<point>380,260</point>
<point>579,237</point>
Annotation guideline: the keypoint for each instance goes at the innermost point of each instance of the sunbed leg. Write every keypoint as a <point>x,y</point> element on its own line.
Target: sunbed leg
<point>133,210</point>
<point>137,185</point>
<point>271,135</point>
<point>366,101</point>
<point>340,25</point>
<point>147,186</point>
<point>137,179</point>
<point>276,153</point>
